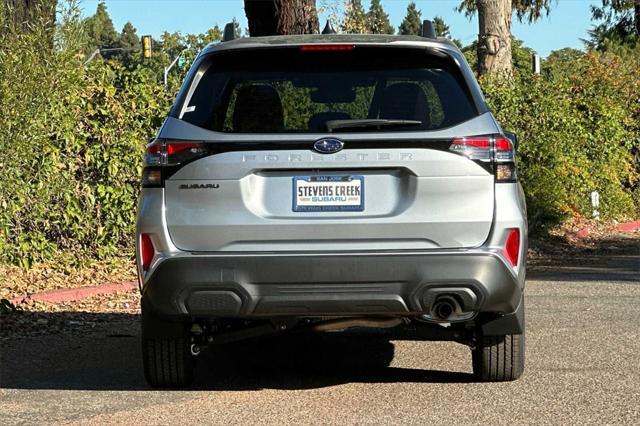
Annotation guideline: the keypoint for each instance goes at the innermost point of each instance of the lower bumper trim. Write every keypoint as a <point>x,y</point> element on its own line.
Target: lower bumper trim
<point>324,285</point>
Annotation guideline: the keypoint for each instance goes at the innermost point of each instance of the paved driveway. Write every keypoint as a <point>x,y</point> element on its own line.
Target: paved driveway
<point>583,366</point>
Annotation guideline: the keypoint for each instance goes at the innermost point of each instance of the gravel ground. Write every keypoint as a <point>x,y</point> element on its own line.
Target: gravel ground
<point>40,319</point>
<point>583,347</point>
<point>17,282</point>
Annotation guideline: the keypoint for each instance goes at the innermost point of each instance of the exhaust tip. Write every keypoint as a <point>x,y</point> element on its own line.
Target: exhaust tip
<point>445,308</point>
<point>449,304</point>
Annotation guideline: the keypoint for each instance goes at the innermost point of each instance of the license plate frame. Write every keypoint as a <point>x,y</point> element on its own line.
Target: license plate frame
<point>333,181</point>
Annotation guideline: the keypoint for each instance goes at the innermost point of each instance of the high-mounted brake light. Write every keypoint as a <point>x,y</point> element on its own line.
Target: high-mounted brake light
<point>495,153</point>
<point>512,246</point>
<point>325,47</point>
<point>147,251</point>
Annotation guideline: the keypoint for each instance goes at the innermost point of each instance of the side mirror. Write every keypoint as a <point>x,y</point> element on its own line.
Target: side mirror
<point>513,138</point>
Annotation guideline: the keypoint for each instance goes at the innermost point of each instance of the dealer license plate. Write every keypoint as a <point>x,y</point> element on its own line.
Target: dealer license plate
<point>328,193</point>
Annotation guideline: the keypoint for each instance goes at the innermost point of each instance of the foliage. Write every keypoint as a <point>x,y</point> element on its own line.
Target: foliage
<point>442,30</point>
<point>494,25</point>
<point>100,30</point>
<point>237,32</point>
<point>71,145</point>
<point>562,63</point>
<point>618,13</point>
<point>334,11</point>
<point>618,26</point>
<point>441,27</point>
<point>412,22</point>
<point>378,20</point>
<point>520,55</point>
<point>20,13</point>
<point>355,19</point>
<point>72,138</point>
<point>578,134</point>
<point>531,10</point>
<point>16,281</point>
<point>129,36</point>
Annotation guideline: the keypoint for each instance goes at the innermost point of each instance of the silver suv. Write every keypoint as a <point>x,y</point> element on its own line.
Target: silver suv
<point>329,182</point>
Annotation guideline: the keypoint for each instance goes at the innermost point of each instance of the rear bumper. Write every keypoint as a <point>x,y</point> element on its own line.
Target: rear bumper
<point>268,285</point>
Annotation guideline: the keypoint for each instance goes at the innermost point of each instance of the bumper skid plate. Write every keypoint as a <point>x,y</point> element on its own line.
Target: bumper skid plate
<point>264,286</point>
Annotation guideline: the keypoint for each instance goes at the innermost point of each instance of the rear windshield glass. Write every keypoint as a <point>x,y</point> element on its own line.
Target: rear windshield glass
<point>287,90</point>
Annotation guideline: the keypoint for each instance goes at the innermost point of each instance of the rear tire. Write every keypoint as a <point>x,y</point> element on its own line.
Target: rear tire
<point>499,358</point>
<point>166,359</point>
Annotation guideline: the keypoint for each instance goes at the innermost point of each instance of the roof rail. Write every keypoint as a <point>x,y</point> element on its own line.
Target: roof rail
<point>229,32</point>
<point>428,30</point>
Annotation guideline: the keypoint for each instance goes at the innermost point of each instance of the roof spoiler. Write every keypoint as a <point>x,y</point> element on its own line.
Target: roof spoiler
<point>428,30</point>
<point>229,32</point>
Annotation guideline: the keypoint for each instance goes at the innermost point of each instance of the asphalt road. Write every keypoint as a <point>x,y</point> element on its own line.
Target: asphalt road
<point>583,366</point>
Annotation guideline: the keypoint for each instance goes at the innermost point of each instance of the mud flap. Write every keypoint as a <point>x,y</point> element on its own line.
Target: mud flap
<point>512,323</point>
<point>155,326</point>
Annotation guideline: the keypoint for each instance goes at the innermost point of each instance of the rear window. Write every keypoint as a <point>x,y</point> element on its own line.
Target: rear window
<point>289,90</point>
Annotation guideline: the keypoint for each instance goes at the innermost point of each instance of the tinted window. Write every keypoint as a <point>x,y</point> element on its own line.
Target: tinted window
<point>289,90</point>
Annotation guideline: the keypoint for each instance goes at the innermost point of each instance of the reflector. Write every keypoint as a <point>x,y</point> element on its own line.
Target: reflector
<point>146,251</point>
<point>512,246</point>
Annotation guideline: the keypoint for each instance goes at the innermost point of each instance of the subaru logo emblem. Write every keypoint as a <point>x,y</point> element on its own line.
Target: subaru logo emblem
<point>328,146</point>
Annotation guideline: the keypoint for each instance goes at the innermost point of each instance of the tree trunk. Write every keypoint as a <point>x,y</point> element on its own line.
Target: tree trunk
<point>494,38</point>
<point>22,13</point>
<point>276,17</point>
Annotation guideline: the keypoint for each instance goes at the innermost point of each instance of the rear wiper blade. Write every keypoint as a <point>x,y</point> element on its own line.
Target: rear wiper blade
<point>368,123</point>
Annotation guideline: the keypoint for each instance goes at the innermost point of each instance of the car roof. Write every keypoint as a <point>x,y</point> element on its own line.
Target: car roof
<point>294,40</point>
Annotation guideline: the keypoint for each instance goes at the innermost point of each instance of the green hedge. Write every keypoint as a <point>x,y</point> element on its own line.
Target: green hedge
<point>72,138</point>
<point>71,144</point>
<point>579,132</point>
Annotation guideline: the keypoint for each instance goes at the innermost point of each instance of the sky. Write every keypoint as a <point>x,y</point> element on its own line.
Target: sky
<point>565,26</point>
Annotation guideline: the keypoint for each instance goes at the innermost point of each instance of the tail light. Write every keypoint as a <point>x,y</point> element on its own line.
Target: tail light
<point>147,251</point>
<point>162,158</point>
<point>512,246</point>
<point>495,153</point>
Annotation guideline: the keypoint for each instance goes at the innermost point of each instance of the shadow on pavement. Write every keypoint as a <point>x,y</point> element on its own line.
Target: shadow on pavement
<point>613,267</point>
<point>605,259</point>
<point>106,356</point>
